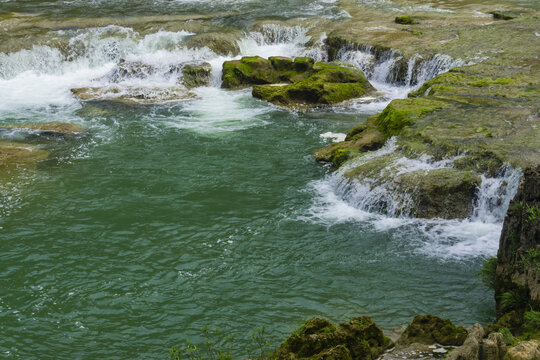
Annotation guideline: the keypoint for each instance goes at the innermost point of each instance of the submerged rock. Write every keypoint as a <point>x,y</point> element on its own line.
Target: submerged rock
<point>52,130</point>
<point>195,75</point>
<point>430,329</point>
<point>405,20</point>
<point>20,154</point>
<point>359,338</point>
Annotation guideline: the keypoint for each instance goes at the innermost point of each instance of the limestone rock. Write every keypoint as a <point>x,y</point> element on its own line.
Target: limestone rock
<point>524,350</point>
<point>132,95</point>
<point>493,348</point>
<point>220,43</point>
<point>471,347</point>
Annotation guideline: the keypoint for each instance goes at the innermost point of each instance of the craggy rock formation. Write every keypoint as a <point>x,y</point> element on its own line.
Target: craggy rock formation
<point>517,282</point>
<point>430,329</point>
<point>357,339</point>
<point>282,81</point>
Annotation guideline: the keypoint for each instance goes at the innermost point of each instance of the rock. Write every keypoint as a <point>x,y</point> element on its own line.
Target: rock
<point>443,193</point>
<point>327,84</point>
<point>132,95</point>
<point>518,258</point>
<point>503,15</point>
<point>493,348</point>
<point>130,69</point>
<point>471,347</point>
<point>53,129</point>
<point>524,350</point>
<point>19,154</point>
<point>430,329</point>
<point>195,75</point>
<point>250,70</point>
<point>405,20</point>
<point>220,43</point>
<point>359,338</point>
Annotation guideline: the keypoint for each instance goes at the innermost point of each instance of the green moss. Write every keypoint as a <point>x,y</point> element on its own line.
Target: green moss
<point>405,20</point>
<point>487,272</point>
<point>340,156</point>
<point>403,112</point>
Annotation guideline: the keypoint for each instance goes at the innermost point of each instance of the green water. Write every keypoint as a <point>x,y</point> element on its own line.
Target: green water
<point>148,232</point>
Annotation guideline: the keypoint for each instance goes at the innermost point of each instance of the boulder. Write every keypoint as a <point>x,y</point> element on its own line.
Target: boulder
<point>524,350</point>
<point>326,84</point>
<point>195,75</point>
<point>132,95</point>
<point>359,338</point>
<point>493,348</point>
<point>248,71</point>
<point>430,329</point>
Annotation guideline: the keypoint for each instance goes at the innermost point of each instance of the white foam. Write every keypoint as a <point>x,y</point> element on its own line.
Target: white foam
<point>335,137</point>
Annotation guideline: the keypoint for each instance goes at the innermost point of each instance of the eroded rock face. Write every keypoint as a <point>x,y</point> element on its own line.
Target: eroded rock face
<point>430,329</point>
<point>359,338</point>
<point>518,258</point>
<point>471,347</point>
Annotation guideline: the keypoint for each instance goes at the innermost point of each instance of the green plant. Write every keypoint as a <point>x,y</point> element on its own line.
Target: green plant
<point>216,347</point>
<point>513,299</point>
<point>531,257</point>
<point>508,338</point>
<point>487,272</point>
<point>531,320</point>
<point>262,344</point>
<point>532,212</point>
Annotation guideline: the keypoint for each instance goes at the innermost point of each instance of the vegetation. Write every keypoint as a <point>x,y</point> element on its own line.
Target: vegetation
<point>487,272</point>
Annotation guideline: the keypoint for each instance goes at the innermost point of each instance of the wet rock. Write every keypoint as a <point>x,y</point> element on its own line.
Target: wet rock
<point>132,95</point>
<point>48,130</point>
<point>524,350</point>
<point>471,347</point>
<point>131,69</point>
<point>517,278</point>
<point>195,75</point>
<point>250,70</point>
<point>504,15</point>
<point>359,338</point>
<point>220,43</point>
<point>430,329</point>
<point>443,193</point>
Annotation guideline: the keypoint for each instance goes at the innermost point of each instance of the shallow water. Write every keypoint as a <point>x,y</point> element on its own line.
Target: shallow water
<point>209,211</point>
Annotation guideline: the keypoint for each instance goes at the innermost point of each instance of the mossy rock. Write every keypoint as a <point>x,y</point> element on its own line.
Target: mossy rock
<point>248,71</point>
<point>405,20</point>
<point>403,112</point>
<point>195,75</point>
<point>327,84</point>
<point>359,338</point>
<point>504,15</point>
<point>430,329</point>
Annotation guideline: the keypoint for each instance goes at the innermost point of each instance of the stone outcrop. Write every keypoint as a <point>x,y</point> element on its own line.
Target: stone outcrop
<point>358,339</point>
<point>132,95</point>
<point>430,329</point>
<point>517,281</point>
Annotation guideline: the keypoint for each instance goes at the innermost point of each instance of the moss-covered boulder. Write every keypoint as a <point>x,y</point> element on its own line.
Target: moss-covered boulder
<point>248,71</point>
<point>195,75</point>
<point>430,329</point>
<point>327,84</point>
<point>359,338</point>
